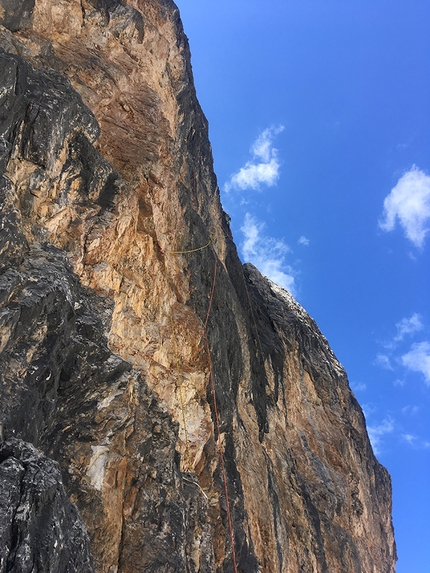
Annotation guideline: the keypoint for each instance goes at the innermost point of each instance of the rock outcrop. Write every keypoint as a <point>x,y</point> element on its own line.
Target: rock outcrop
<point>200,420</point>
<point>40,530</point>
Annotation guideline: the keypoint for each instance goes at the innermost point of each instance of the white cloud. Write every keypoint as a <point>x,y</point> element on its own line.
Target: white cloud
<point>383,361</point>
<point>303,241</point>
<point>264,167</point>
<point>266,253</point>
<point>410,410</point>
<point>409,201</point>
<point>253,175</point>
<point>415,441</point>
<point>408,326</point>
<point>368,410</point>
<point>262,146</point>
<point>418,359</point>
<point>409,438</point>
<point>376,433</point>
<point>358,387</point>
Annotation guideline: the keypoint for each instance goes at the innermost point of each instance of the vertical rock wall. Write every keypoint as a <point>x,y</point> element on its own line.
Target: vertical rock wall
<point>117,273</point>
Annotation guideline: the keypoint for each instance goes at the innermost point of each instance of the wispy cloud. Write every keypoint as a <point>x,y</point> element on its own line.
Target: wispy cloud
<point>358,387</point>
<point>264,167</point>
<point>368,410</point>
<point>408,326</point>
<point>376,433</point>
<point>410,410</point>
<point>303,241</point>
<point>418,359</point>
<point>266,253</point>
<point>416,442</point>
<point>383,361</point>
<point>409,202</point>
<point>409,438</point>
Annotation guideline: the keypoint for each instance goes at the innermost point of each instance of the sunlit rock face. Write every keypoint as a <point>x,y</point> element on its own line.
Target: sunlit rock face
<point>118,274</point>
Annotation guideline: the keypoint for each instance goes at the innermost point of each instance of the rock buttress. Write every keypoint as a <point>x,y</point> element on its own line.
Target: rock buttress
<point>113,239</point>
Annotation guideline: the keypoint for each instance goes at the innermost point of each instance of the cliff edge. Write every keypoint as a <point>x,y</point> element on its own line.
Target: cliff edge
<point>191,415</point>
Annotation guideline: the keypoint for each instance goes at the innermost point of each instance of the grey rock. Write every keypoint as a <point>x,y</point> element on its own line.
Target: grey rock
<point>40,529</point>
<point>39,108</point>
<point>16,14</point>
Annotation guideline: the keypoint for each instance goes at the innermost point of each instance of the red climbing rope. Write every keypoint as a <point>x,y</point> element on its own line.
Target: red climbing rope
<point>218,426</point>
<point>212,378</point>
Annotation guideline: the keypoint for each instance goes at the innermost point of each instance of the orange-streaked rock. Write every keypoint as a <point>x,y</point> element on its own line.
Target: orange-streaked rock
<point>121,183</point>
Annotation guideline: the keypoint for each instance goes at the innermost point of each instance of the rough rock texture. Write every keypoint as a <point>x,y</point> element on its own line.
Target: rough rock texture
<point>40,530</point>
<point>117,273</point>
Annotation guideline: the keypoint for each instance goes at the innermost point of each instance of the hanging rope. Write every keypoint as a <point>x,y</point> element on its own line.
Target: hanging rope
<point>212,380</point>
<point>179,388</point>
<point>190,251</point>
<point>163,252</point>
<point>218,425</point>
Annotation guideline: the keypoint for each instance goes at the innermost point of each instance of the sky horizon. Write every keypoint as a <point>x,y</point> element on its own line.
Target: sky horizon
<point>319,123</point>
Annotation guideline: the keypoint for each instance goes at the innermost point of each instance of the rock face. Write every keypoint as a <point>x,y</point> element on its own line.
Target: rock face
<point>200,420</point>
<point>40,530</point>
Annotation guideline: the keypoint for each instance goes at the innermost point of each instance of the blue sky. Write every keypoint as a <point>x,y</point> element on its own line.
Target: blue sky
<point>319,116</point>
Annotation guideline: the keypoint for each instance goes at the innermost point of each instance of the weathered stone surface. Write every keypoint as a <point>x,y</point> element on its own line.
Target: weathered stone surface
<point>63,389</point>
<point>107,179</point>
<point>40,530</point>
<point>336,495</point>
<point>16,15</point>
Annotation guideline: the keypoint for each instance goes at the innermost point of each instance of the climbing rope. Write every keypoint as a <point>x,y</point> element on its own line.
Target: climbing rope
<point>175,348</point>
<point>218,425</point>
<point>191,250</point>
<point>212,379</point>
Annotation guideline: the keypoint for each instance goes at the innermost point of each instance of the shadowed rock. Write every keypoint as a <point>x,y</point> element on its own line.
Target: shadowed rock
<point>40,530</point>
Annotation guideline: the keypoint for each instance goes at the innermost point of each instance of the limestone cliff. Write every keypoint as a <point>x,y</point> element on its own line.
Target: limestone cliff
<point>200,420</point>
